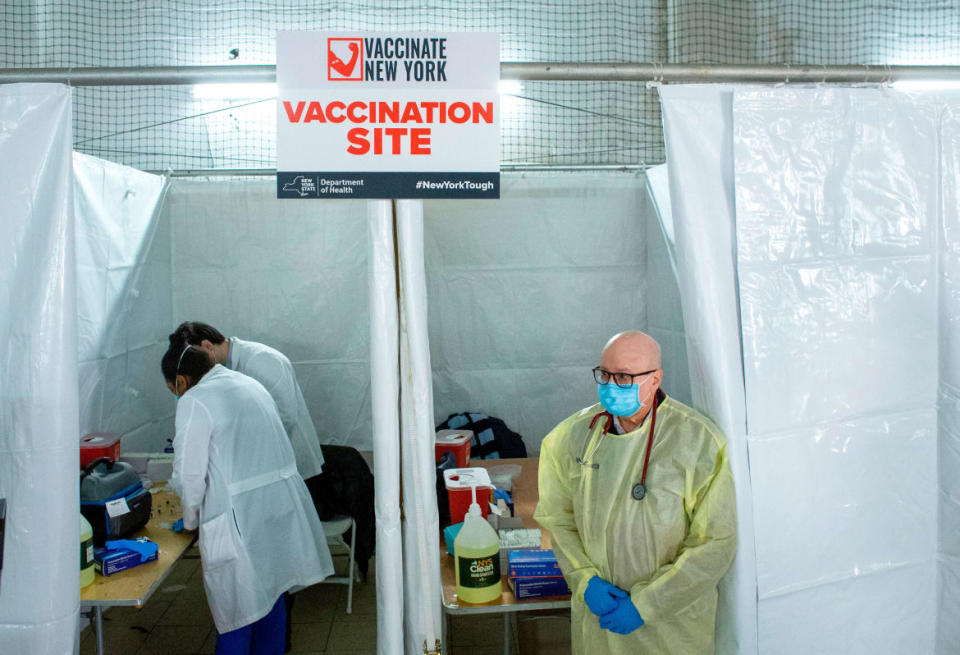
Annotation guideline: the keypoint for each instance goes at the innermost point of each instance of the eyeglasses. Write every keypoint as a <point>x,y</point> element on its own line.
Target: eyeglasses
<point>622,380</point>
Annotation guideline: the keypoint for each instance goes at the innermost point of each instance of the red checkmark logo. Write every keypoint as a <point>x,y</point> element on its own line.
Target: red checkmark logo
<point>344,60</point>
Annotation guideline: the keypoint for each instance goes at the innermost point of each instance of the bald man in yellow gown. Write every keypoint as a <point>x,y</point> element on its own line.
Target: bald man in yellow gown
<point>643,560</point>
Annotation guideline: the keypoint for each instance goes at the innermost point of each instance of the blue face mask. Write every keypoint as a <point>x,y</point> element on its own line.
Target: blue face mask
<point>618,401</point>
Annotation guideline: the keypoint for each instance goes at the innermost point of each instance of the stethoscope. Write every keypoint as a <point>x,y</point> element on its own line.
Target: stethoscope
<point>639,490</point>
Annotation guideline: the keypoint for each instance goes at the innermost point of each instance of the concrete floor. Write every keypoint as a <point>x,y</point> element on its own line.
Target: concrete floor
<point>176,621</point>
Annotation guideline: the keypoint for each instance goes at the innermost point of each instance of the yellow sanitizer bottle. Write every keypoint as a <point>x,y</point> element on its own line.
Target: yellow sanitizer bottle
<point>477,552</point>
<point>86,553</point>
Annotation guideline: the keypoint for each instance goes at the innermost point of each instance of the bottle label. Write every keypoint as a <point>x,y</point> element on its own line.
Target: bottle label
<point>480,572</point>
<point>86,553</point>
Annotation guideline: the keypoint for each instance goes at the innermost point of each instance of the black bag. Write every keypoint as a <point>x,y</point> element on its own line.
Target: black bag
<point>346,487</point>
<point>104,481</point>
<point>492,439</point>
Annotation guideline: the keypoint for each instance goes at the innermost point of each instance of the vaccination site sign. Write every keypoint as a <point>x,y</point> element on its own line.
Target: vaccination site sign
<point>382,115</point>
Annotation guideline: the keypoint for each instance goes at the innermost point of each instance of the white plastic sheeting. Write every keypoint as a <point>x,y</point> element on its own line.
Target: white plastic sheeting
<point>836,216</point>
<point>842,238</point>
<point>408,571</point>
<point>124,305</point>
<point>700,158</point>
<point>664,310</point>
<point>289,274</point>
<point>948,581</point>
<point>385,396</point>
<point>524,291</point>
<point>658,185</point>
<point>39,589</point>
<point>420,518</point>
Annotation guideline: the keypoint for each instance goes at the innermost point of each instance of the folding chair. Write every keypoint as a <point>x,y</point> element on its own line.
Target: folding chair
<point>334,529</point>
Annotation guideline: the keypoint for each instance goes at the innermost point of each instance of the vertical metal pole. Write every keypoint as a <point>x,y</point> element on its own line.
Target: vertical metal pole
<point>98,626</point>
<point>350,574</point>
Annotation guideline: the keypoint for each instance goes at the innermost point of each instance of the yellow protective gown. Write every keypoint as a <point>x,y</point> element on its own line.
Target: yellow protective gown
<point>668,550</point>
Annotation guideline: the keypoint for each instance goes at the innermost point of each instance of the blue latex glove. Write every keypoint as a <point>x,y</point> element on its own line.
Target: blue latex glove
<point>177,526</point>
<point>142,546</point>
<point>624,619</point>
<point>601,596</point>
<point>504,494</point>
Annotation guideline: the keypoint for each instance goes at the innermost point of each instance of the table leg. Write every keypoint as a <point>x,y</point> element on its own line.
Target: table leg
<point>445,641</point>
<point>98,626</point>
<point>506,633</point>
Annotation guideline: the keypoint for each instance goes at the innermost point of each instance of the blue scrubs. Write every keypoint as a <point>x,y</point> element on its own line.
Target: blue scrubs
<point>264,637</point>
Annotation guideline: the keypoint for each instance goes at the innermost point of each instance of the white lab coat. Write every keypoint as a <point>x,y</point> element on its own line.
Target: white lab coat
<point>272,369</point>
<point>237,480</point>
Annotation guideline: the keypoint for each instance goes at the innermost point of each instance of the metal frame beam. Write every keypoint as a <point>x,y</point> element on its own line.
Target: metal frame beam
<point>640,72</point>
<point>558,71</point>
<point>504,168</point>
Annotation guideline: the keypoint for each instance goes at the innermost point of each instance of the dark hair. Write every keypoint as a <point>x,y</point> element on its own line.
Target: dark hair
<point>192,361</point>
<point>193,332</point>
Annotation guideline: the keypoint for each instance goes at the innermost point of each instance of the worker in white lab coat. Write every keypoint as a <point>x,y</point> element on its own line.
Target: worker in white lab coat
<point>236,476</point>
<point>273,370</point>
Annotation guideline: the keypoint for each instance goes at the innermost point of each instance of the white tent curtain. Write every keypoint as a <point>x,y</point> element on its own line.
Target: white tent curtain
<point>289,274</point>
<point>833,213</point>
<point>699,155</point>
<point>525,290</point>
<point>516,290</point>
<point>421,538</point>
<point>408,602</point>
<point>39,582</point>
<point>124,301</point>
<point>948,453</point>
<point>836,194</point>
<point>385,394</point>
<point>658,186</point>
